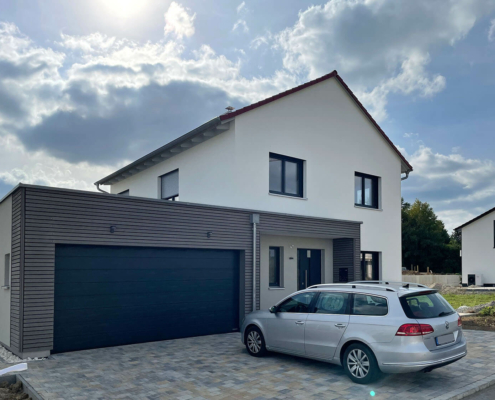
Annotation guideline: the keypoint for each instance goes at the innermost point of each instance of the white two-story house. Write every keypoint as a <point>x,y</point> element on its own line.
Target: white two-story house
<point>298,189</point>
<point>312,151</point>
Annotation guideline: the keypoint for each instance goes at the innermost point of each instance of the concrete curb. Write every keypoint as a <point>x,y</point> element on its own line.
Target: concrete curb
<point>468,390</point>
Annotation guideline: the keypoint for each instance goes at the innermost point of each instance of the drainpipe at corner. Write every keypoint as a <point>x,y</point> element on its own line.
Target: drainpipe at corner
<point>255,219</point>
<point>403,178</point>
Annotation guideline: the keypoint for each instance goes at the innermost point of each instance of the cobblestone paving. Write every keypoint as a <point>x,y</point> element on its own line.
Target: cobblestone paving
<point>218,367</point>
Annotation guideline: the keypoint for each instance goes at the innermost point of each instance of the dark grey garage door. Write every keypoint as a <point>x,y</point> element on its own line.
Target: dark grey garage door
<point>110,296</point>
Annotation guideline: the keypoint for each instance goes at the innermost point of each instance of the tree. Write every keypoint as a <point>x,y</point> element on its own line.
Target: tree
<point>425,241</point>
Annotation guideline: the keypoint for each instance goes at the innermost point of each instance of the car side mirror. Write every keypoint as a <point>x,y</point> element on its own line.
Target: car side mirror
<point>273,309</point>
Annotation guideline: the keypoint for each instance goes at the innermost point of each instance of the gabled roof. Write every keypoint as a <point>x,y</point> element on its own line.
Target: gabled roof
<point>154,157</point>
<point>475,218</point>
<point>311,83</point>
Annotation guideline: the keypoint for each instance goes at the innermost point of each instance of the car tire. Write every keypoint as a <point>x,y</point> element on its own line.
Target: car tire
<point>360,364</point>
<point>255,342</point>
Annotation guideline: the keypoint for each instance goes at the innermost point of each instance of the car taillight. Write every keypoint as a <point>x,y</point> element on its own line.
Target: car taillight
<point>459,321</point>
<point>414,330</point>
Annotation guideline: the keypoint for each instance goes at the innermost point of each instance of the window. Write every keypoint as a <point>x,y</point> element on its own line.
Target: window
<point>426,305</point>
<point>125,193</point>
<point>297,304</point>
<point>365,304</point>
<point>275,267</point>
<point>370,266</point>
<point>6,280</point>
<point>286,175</point>
<point>365,190</point>
<point>170,186</point>
<point>332,303</point>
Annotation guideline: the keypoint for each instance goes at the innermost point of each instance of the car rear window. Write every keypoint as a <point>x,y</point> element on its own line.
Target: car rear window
<point>426,305</point>
<point>365,304</point>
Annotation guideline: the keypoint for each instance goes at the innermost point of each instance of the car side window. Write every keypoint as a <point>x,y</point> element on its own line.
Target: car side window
<point>298,303</point>
<point>365,304</point>
<point>332,303</point>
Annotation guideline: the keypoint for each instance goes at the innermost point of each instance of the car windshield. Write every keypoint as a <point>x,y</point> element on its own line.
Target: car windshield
<point>426,305</point>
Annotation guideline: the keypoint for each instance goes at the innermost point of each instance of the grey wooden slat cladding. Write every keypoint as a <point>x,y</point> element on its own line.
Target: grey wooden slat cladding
<point>43,217</point>
<point>346,254</point>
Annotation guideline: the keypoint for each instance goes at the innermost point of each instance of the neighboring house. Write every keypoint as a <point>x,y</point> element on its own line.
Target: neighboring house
<point>298,189</point>
<point>478,250</point>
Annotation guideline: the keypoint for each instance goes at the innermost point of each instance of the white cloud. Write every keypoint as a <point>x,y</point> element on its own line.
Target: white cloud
<point>240,24</point>
<point>458,188</point>
<point>379,46</point>
<point>241,7</point>
<point>410,135</point>
<point>491,31</point>
<point>456,149</point>
<point>179,21</point>
<point>107,92</point>
<point>19,165</point>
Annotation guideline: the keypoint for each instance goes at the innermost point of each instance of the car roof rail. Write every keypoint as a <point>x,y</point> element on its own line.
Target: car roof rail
<point>353,285</point>
<point>404,285</point>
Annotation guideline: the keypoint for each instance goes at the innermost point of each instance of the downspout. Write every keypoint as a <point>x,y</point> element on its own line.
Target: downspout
<point>98,188</point>
<point>255,219</point>
<point>405,177</point>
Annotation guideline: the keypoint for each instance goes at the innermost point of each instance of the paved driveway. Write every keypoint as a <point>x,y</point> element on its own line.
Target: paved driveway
<point>218,367</point>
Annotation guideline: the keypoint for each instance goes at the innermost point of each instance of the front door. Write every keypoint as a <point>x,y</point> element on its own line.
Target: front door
<point>369,266</point>
<point>309,268</point>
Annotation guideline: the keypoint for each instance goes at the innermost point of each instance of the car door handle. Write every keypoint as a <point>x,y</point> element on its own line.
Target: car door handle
<point>299,323</point>
<point>340,325</point>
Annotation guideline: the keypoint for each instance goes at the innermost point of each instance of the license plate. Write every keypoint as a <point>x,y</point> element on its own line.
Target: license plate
<point>445,339</point>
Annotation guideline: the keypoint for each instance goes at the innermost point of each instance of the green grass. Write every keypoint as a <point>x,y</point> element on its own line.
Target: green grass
<point>457,300</point>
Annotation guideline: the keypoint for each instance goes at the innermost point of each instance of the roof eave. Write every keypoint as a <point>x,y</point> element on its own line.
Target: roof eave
<point>158,152</point>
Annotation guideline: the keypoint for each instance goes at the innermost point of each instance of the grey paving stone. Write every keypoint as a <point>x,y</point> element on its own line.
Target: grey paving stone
<point>218,367</point>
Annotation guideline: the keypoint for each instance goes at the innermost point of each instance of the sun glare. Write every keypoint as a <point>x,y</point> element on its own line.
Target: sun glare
<point>123,9</point>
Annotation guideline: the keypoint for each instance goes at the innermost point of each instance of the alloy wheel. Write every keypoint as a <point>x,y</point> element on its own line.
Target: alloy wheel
<point>254,342</point>
<point>358,363</point>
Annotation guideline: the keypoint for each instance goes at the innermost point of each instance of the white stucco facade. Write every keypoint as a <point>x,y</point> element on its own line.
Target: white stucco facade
<point>321,125</point>
<point>478,251</point>
<point>5,248</point>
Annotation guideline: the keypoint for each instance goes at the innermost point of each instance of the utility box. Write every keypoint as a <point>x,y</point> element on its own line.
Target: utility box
<point>475,279</point>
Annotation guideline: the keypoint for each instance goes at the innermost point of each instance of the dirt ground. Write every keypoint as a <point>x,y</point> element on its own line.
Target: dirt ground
<point>479,322</point>
<point>12,392</point>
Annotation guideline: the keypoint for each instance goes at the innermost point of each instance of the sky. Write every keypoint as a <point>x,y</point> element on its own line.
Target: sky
<point>89,86</point>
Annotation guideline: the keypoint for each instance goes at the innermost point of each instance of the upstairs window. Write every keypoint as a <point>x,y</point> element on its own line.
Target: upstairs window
<point>365,190</point>
<point>170,186</point>
<point>286,175</point>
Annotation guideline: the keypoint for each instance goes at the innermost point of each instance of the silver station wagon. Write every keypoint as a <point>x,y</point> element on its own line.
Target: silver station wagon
<point>368,327</point>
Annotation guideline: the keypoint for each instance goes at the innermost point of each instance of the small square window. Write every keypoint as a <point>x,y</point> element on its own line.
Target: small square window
<point>365,190</point>
<point>275,267</point>
<point>170,186</point>
<point>286,175</point>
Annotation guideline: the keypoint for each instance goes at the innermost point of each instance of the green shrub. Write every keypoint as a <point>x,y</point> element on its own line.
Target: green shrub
<point>488,311</point>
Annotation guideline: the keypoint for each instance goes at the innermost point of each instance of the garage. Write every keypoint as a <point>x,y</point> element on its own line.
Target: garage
<point>115,295</point>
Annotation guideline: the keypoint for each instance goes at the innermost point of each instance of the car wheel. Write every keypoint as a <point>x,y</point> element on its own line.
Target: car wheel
<point>255,342</point>
<point>360,364</point>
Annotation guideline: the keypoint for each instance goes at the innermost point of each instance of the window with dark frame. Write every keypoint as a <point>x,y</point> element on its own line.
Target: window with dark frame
<point>275,267</point>
<point>170,186</point>
<point>365,190</point>
<point>6,280</point>
<point>286,175</point>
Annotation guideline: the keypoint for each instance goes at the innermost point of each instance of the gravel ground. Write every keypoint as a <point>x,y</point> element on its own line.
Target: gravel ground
<point>9,358</point>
